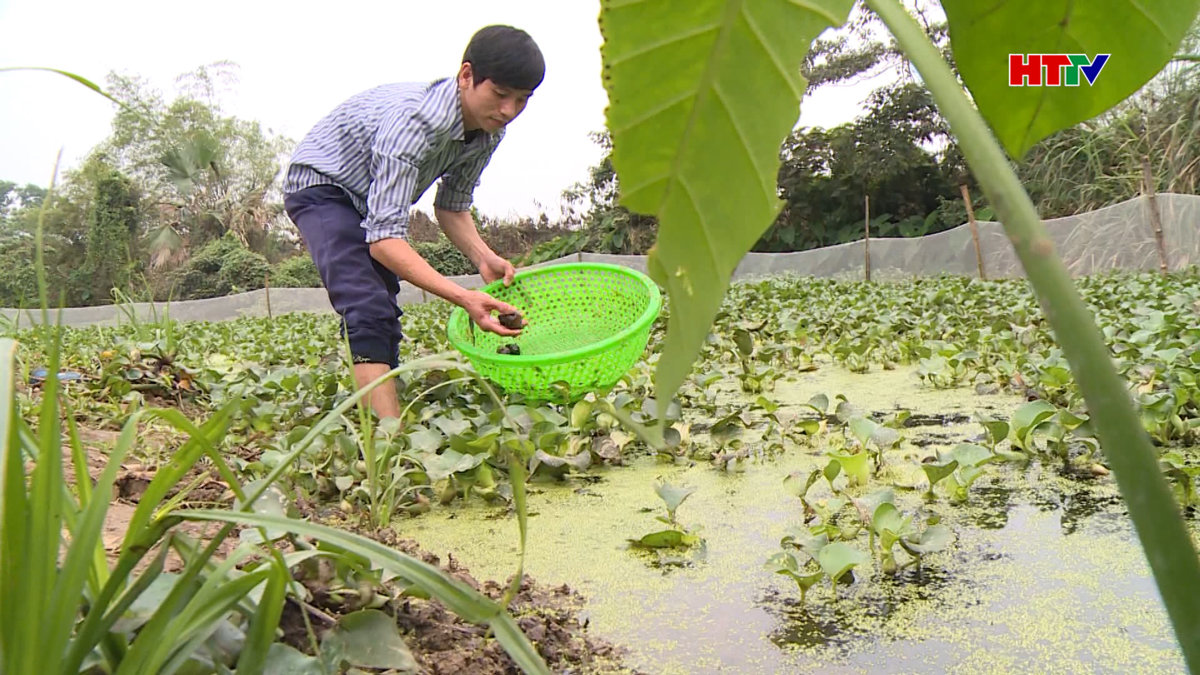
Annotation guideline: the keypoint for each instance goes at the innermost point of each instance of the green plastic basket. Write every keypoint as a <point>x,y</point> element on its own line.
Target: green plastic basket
<point>588,325</point>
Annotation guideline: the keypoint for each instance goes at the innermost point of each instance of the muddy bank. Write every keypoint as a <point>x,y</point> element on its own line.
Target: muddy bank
<point>443,644</point>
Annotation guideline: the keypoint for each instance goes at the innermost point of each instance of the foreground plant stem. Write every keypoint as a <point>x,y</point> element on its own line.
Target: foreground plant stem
<point>1155,514</point>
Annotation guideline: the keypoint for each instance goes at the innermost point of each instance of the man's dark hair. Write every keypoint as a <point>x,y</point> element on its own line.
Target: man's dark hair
<point>507,56</point>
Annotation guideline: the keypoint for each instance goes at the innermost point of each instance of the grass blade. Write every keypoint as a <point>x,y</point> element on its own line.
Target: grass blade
<point>83,488</point>
<point>185,610</point>
<point>177,468</point>
<point>182,423</point>
<point>202,620</point>
<point>78,78</point>
<point>97,624</point>
<point>85,537</point>
<point>98,571</point>
<point>261,632</point>
<point>46,641</point>
<point>516,476</point>
<point>14,518</point>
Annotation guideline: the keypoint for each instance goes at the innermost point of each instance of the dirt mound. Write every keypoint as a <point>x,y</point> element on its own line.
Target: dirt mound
<point>443,643</point>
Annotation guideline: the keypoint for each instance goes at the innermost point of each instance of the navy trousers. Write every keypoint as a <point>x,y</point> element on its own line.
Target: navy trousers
<point>361,289</point>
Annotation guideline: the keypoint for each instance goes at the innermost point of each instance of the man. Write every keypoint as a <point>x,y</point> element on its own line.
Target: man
<point>356,174</point>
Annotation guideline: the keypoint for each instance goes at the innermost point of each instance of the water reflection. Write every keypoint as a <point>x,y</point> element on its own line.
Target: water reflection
<point>857,613</point>
<point>990,506</point>
<point>1080,506</point>
<point>871,610</point>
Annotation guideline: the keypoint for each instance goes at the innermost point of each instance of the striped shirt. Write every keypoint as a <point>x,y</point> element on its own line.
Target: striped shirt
<point>386,146</point>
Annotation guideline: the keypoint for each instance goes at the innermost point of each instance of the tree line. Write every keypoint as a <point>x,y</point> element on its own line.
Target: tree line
<point>182,200</point>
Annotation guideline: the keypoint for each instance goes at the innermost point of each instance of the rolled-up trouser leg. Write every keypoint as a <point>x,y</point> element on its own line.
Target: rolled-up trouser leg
<point>360,289</point>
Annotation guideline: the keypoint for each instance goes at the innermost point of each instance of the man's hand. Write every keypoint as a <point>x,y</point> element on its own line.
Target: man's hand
<point>479,307</point>
<point>493,267</point>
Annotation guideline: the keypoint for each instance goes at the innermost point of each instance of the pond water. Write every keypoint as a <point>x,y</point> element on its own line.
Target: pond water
<point>1045,574</point>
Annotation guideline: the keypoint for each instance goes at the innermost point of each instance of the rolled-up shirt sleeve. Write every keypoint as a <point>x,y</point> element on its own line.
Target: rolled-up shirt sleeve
<point>456,189</point>
<point>395,156</point>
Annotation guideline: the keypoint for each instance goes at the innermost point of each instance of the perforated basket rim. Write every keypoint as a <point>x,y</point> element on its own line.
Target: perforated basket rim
<point>647,316</point>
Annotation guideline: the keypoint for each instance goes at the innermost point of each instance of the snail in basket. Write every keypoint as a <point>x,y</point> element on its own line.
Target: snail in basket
<point>512,320</point>
<point>511,348</point>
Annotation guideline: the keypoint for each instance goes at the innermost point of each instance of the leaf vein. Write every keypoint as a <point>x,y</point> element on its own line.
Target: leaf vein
<point>630,191</point>
<point>659,44</point>
<point>733,8</point>
<point>710,246</point>
<point>733,121</point>
<point>1153,21</point>
<point>818,10</point>
<point>622,4</point>
<point>775,59</point>
<point>652,112</point>
<point>988,12</point>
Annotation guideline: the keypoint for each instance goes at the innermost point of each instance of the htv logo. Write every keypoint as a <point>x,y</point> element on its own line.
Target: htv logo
<point>1053,70</point>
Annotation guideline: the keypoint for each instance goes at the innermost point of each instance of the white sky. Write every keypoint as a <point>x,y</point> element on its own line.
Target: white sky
<point>299,59</point>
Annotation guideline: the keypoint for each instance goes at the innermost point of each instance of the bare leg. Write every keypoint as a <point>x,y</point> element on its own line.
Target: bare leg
<point>382,398</point>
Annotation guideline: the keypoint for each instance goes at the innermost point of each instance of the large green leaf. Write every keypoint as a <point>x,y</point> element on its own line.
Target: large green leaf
<point>1027,418</point>
<point>838,558</point>
<point>450,462</point>
<point>887,518</point>
<point>932,539</point>
<point>855,465</point>
<point>969,454</point>
<point>285,660</point>
<point>369,639</point>
<point>936,472</point>
<point>702,94</point>
<point>863,429</point>
<point>1140,35</point>
<point>664,539</point>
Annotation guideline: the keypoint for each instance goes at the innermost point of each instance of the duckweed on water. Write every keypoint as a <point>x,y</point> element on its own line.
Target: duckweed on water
<point>1029,583</point>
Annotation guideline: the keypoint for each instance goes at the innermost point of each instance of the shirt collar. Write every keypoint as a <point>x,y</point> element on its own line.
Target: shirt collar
<point>450,84</point>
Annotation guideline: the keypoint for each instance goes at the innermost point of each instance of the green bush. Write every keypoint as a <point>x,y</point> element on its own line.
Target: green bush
<point>222,267</point>
<point>557,247</point>
<point>18,283</point>
<point>243,270</point>
<point>296,272</point>
<point>112,222</point>
<point>445,257</point>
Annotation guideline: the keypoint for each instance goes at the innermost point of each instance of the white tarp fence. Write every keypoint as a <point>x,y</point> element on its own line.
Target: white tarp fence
<point>1118,237</point>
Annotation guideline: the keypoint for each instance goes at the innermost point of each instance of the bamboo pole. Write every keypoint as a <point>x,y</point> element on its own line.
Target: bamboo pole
<point>1150,192</point>
<point>966,195</point>
<point>867,235</point>
<point>267,286</point>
